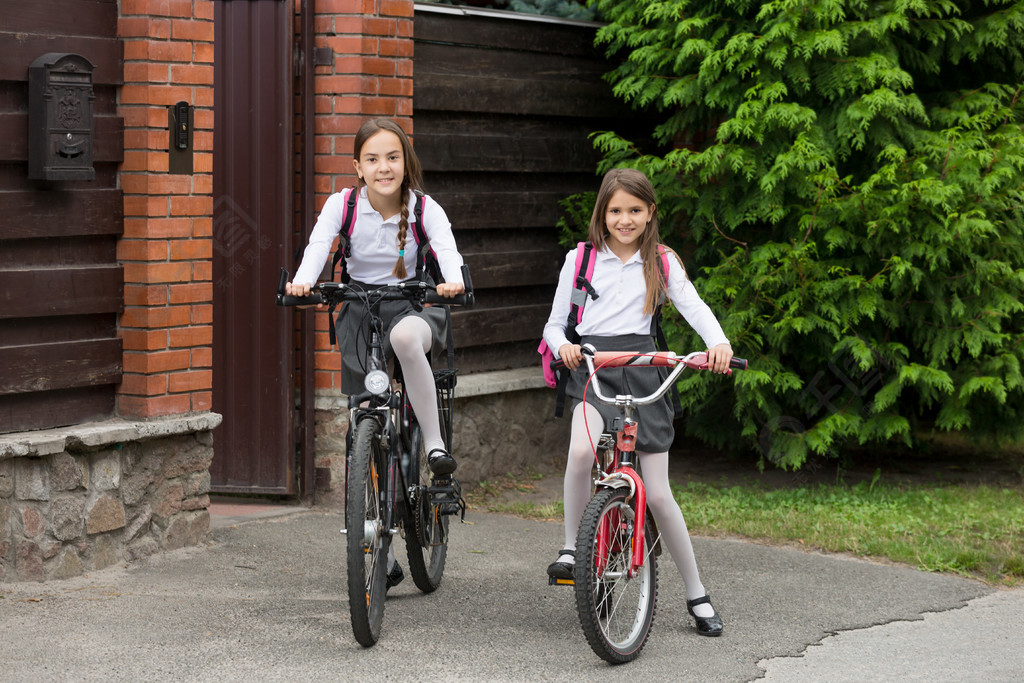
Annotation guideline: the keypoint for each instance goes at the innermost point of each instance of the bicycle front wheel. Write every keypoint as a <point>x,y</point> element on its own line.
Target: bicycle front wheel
<point>367,537</point>
<point>426,533</point>
<point>616,610</point>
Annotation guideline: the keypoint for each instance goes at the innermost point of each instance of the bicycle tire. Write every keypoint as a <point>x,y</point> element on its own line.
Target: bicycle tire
<point>367,539</point>
<point>426,533</point>
<point>615,611</point>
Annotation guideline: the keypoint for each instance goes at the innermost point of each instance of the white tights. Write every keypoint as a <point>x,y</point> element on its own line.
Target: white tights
<point>410,339</point>
<point>654,468</point>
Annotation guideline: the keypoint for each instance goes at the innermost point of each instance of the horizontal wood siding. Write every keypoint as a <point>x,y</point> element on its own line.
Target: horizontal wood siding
<point>61,287</point>
<point>46,367</point>
<point>502,111</point>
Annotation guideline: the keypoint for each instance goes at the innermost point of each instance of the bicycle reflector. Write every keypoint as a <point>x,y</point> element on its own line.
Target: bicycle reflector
<point>376,382</point>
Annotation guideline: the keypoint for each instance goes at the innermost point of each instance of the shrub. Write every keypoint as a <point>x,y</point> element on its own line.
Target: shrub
<point>848,176</point>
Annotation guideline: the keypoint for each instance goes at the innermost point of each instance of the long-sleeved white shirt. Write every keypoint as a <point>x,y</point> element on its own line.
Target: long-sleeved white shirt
<point>618,310</point>
<point>375,242</point>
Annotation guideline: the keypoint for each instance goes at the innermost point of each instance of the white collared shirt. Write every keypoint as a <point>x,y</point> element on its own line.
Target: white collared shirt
<point>375,242</point>
<point>621,291</point>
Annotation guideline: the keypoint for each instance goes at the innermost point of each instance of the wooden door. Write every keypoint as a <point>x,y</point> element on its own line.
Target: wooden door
<point>253,353</point>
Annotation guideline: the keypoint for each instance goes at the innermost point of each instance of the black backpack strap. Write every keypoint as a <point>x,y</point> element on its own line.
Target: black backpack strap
<point>662,345</point>
<point>426,259</point>
<point>451,337</point>
<point>344,252</point>
<point>578,299</point>
<point>563,378</point>
<point>348,220</point>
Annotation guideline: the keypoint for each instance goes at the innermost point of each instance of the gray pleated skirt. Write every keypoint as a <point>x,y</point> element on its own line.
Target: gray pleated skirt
<point>656,432</point>
<point>352,329</point>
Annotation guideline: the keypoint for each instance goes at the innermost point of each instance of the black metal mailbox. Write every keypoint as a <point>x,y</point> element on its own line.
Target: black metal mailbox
<point>60,118</point>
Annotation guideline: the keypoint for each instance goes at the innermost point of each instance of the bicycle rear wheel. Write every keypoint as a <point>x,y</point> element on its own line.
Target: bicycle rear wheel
<point>615,610</point>
<point>426,532</point>
<point>367,537</point>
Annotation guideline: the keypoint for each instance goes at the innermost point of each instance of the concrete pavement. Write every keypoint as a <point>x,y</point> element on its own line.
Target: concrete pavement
<point>266,600</point>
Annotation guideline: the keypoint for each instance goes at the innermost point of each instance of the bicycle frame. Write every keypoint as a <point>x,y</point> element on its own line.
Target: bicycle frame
<point>385,441</point>
<point>621,472</point>
<point>616,570</point>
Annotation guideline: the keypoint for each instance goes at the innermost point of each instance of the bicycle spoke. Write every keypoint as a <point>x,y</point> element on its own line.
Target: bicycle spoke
<point>616,609</point>
<point>367,539</point>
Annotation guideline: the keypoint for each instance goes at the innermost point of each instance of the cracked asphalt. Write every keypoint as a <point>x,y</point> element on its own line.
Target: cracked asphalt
<point>266,599</point>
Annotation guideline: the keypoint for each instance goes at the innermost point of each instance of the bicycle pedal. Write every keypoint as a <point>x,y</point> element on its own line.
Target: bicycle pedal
<point>552,581</point>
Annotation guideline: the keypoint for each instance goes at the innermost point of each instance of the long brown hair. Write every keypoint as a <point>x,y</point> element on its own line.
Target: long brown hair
<point>636,184</point>
<point>413,179</point>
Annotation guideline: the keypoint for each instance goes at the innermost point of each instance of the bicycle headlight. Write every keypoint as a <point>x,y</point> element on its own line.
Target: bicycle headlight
<point>376,382</point>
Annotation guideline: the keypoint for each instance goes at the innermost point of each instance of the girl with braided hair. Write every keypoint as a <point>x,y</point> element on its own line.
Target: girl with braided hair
<point>383,252</point>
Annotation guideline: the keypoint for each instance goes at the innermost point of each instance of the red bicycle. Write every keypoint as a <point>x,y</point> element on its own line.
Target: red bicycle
<point>616,572</point>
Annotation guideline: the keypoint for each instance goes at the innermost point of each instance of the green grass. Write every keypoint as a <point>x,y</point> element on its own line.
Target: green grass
<point>972,530</point>
<point>968,529</point>
<point>485,494</point>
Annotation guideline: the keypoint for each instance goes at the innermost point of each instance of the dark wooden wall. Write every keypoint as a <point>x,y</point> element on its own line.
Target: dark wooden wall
<point>61,287</point>
<point>502,110</point>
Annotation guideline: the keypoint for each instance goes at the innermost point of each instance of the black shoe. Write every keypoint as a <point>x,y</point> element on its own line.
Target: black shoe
<point>562,570</point>
<point>440,462</point>
<point>706,626</point>
<point>395,577</point>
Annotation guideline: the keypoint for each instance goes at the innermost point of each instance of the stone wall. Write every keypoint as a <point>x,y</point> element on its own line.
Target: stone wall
<point>503,425</point>
<point>82,498</point>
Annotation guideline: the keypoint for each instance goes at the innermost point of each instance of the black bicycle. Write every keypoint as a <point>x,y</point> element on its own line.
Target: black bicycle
<point>388,487</point>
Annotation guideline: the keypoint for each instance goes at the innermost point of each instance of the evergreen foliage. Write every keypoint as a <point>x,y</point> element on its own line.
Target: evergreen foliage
<point>849,178</point>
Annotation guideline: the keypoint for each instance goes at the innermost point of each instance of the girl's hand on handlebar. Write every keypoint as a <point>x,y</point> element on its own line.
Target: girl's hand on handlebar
<point>296,289</point>
<point>450,289</point>
<point>299,289</point>
<point>718,358</point>
<point>570,355</point>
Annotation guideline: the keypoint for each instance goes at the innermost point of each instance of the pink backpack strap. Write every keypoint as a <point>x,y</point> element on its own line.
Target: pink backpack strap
<point>663,252</point>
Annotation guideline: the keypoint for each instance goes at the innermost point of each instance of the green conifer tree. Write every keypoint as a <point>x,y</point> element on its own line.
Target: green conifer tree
<point>850,174</point>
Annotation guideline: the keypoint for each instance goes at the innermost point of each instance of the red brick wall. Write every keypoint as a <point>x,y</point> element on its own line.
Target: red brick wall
<point>166,249</point>
<point>370,75</point>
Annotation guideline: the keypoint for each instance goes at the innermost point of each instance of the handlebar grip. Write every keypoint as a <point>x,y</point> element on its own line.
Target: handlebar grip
<point>468,282</point>
<point>465,299</point>
<point>283,299</point>
<point>290,300</point>
<point>433,297</point>
<point>738,363</point>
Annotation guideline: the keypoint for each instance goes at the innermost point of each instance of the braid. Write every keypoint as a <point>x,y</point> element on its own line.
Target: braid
<point>403,228</point>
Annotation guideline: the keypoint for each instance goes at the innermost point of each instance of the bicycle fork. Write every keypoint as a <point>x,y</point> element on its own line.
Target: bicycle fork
<point>637,515</point>
<point>384,472</point>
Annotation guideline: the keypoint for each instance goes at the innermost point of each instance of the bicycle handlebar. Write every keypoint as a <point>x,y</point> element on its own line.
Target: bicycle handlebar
<point>698,360</point>
<point>335,292</point>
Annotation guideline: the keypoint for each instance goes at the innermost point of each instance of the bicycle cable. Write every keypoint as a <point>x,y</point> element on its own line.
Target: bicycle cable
<point>586,387</point>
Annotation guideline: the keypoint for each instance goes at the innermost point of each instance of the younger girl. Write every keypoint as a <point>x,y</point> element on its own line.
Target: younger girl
<point>383,252</point>
<point>628,281</point>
